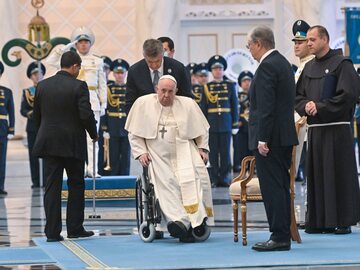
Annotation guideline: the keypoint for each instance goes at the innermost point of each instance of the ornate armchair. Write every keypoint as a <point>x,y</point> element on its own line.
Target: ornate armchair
<point>245,187</point>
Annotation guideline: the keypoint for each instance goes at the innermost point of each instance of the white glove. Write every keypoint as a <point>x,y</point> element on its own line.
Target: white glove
<point>102,112</point>
<point>234,131</point>
<point>10,136</point>
<point>106,135</point>
<point>68,46</point>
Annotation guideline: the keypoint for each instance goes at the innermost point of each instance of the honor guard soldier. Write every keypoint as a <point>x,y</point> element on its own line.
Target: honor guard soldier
<point>221,110</point>
<point>118,160</point>
<point>92,72</point>
<point>240,140</point>
<point>190,67</point>
<point>26,110</point>
<point>301,51</point>
<point>107,70</point>
<point>7,123</point>
<point>201,73</point>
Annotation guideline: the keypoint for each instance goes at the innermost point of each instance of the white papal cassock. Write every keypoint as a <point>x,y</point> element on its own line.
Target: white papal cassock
<point>172,136</point>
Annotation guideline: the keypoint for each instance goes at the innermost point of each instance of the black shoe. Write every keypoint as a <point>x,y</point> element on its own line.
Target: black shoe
<point>56,239</point>
<point>159,235</point>
<point>271,245</point>
<point>3,192</point>
<point>188,238</point>
<point>81,234</point>
<point>35,186</point>
<point>177,229</point>
<point>343,230</point>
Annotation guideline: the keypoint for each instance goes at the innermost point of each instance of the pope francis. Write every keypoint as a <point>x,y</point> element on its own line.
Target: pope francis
<point>169,134</point>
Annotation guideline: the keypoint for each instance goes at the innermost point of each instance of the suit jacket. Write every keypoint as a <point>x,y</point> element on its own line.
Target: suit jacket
<point>26,108</point>
<point>6,112</point>
<point>63,114</point>
<point>272,98</point>
<point>139,81</point>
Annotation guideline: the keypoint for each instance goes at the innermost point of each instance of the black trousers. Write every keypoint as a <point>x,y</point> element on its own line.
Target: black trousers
<point>219,156</point>
<point>241,148</point>
<point>274,179</point>
<point>54,167</point>
<point>3,148</point>
<point>34,162</point>
<point>119,155</point>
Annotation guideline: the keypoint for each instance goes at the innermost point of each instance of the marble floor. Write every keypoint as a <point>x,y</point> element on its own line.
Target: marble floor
<point>22,216</point>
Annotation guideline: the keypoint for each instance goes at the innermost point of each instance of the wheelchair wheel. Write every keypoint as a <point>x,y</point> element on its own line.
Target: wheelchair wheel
<point>201,233</point>
<point>139,204</point>
<point>147,232</point>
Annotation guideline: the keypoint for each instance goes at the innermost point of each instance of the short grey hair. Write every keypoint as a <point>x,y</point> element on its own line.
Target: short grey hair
<point>264,35</point>
<point>152,48</point>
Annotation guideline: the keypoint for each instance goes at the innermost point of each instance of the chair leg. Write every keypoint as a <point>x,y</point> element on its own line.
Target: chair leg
<point>243,222</point>
<point>295,236</point>
<point>236,220</point>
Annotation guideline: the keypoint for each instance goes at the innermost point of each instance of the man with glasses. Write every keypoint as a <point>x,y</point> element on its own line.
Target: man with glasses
<point>272,133</point>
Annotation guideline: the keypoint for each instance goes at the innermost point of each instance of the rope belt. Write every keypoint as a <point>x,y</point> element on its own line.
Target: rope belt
<point>328,124</point>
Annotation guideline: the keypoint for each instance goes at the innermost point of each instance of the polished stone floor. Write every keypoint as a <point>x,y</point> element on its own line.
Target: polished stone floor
<point>22,216</point>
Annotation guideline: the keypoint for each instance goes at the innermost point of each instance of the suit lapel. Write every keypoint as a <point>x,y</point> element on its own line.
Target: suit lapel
<point>147,76</point>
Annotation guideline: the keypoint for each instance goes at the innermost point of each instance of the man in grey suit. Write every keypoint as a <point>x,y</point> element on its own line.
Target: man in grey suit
<point>143,76</point>
<point>62,114</point>
<point>272,133</point>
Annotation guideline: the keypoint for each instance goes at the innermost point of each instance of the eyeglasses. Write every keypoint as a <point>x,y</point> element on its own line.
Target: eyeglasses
<point>248,45</point>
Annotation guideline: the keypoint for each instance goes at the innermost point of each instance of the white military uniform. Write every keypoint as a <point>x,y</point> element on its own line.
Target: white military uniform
<point>302,135</point>
<point>92,72</point>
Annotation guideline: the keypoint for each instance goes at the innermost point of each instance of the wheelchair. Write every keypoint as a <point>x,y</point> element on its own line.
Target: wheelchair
<point>148,212</point>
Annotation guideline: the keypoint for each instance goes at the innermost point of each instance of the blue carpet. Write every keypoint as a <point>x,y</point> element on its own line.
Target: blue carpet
<point>219,251</point>
<point>24,255</point>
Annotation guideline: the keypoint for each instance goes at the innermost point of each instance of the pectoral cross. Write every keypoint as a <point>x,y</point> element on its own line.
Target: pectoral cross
<point>162,131</point>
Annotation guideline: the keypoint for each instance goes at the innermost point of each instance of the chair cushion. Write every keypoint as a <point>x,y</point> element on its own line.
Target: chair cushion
<point>252,188</point>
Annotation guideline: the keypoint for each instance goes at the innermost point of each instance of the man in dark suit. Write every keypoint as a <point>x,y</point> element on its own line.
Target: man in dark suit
<point>144,75</point>
<point>272,133</point>
<point>63,114</point>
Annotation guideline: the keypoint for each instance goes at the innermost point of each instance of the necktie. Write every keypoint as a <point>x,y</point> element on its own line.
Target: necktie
<point>156,78</point>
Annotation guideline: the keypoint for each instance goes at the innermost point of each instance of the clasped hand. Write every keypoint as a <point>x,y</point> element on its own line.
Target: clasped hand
<point>310,108</point>
<point>263,149</point>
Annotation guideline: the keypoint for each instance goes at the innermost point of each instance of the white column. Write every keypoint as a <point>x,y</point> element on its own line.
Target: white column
<point>156,18</point>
